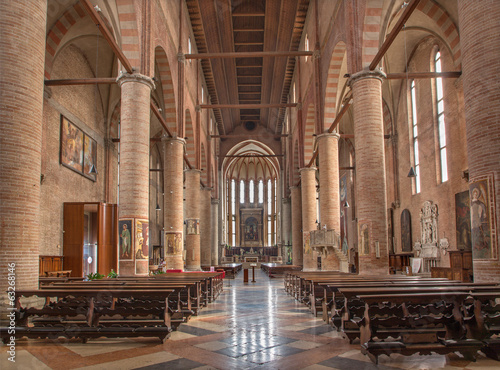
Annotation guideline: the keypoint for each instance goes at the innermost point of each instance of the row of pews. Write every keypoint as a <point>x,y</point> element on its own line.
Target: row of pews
<point>121,307</point>
<point>278,269</point>
<point>404,314</point>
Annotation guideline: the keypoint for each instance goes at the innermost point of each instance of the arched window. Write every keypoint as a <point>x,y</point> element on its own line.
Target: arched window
<point>242,191</point>
<point>261,191</point>
<point>440,119</point>
<point>251,193</point>
<point>269,197</point>
<point>414,134</point>
<point>306,45</point>
<point>233,197</point>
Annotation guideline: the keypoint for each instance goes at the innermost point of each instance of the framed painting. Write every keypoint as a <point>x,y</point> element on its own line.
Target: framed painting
<point>125,231</point>
<point>89,156</point>
<point>72,143</point>
<point>141,239</point>
<point>364,238</point>
<point>173,242</point>
<point>480,219</point>
<point>462,217</point>
<point>192,226</point>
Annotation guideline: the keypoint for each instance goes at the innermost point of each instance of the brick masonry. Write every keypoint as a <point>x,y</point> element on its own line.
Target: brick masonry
<point>296,210</point>
<point>309,214</point>
<point>193,211</point>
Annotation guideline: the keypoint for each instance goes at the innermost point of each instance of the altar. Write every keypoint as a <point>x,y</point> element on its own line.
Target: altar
<point>251,227</point>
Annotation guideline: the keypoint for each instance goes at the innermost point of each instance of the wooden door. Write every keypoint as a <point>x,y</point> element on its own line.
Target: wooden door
<point>73,237</point>
<point>107,238</point>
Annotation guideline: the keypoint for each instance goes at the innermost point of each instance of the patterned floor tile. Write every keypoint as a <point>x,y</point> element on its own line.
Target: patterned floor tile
<point>179,364</point>
<point>303,344</point>
<point>213,346</point>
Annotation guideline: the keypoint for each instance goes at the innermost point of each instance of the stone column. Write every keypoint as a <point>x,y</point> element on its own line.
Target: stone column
<point>193,213</point>
<point>296,205</point>
<point>134,167</point>
<point>22,54</point>
<point>309,214</point>
<point>206,227</point>
<point>286,224</point>
<point>215,231</point>
<point>480,46</point>
<point>173,201</point>
<point>371,198</point>
<point>328,147</point>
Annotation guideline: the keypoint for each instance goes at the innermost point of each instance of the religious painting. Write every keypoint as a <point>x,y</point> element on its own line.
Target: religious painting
<point>251,229</point>
<point>89,156</point>
<point>307,242</point>
<point>192,226</point>
<point>141,239</point>
<point>462,214</point>
<point>343,189</point>
<point>480,219</point>
<point>125,241</point>
<point>406,237</point>
<point>71,146</point>
<point>173,241</point>
<point>364,238</point>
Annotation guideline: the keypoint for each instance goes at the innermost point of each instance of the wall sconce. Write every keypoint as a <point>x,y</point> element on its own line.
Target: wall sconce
<point>93,170</point>
<point>346,204</point>
<point>412,172</point>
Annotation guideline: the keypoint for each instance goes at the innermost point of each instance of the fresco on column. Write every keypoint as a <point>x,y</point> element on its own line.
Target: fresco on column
<point>480,219</point>
<point>364,238</point>
<point>125,243</point>
<point>462,213</point>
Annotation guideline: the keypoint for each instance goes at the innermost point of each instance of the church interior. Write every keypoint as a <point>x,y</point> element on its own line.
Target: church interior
<point>256,183</point>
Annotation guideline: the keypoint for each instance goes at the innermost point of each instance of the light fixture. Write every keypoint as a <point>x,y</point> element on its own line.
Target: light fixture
<point>412,172</point>
<point>93,170</point>
<point>158,207</point>
<point>346,204</point>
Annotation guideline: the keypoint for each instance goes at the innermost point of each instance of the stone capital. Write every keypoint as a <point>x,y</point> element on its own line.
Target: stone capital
<point>207,188</point>
<point>168,139</point>
<point>293,188</point>
<point>305,169</point>
<point>378,74</point>
<point>192,170</point>
<point>327,135</point>
<point>316,54</point>
<point>181,58</point>
<point>197,108</point>
<point>215,201</point>
<point>285,200</point>
<point>135,77</point>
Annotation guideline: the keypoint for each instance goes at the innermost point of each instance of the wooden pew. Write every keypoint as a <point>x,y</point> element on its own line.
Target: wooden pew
<point>79,314</point>
<point>278,269</point>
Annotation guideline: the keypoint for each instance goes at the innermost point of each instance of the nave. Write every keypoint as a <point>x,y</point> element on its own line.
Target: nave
<point>252,325</point>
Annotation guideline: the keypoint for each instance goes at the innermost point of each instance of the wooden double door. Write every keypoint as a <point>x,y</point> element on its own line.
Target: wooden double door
<point>90,241</point>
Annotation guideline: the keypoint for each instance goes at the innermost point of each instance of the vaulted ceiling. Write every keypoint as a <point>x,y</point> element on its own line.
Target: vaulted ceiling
<point>242,26</point>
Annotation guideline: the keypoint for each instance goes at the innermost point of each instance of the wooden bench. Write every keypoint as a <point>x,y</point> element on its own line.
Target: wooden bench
<point>278,269</point>
<point>93,313</point>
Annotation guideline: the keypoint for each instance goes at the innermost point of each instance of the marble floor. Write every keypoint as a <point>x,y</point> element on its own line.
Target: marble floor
<point>250,326</point>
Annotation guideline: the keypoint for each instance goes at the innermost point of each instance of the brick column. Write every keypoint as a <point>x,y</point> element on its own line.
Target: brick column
<point>286,236</point>
<point>193,212</point>
<point>480,44</point>
<point>206,227</point>
<point>22,52</point>
<point>134,167</point>
<point>296,208</point>
<point>371,198</point>
<point>328,147</point>
<point>215,231</point>
<point>174,206</point>
<point>309,214</point>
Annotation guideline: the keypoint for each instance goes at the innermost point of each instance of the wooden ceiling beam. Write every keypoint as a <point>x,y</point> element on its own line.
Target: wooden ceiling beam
<point>253,155</point>
<point>418,75</point>
<point>96,18</point>
<point>249,14</point>
<point>245,136</point>
<point>392,35</point>
<point>81,81</point>
<point>249,54</point>
<point>247,106</point>
<point>248,29</point>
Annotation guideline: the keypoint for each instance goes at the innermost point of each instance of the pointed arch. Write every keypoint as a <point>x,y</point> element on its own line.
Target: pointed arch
<point>332,83</point>
<point>127,17</point>
<point>308,134</point>
<point>167,88</point>
<point>371,30</point>
<point>190,141</point>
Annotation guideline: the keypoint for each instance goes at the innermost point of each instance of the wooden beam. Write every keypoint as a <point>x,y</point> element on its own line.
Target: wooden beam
<point>81,81</point>
<point>187,162</point>
<point>417,75</point>
<point>392,35</point>
<point>96,18</point>
<point>160,118</point>
<point>248,14</point>
<point>249,54</point>
<point>351,136</point>
<point>152,140</point>
<point>248,29</point>
<point>253,155</point>
<point>339,116</point>
<point>347,168</point>
<point>246,136</point>
<point>247,106</point>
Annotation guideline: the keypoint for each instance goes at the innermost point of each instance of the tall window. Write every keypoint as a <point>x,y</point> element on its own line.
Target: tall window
<point>190,48</point>
<point>440,119</point>
<point>269,235</point>
<point>261,191</point>
<point>269,197</point>
<point>242,191</point>
<point>306,45</point>
<point>233,197</point>
<point>251,193</point>
<point>415,134</point>
<point>233,236</point>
